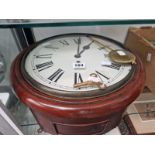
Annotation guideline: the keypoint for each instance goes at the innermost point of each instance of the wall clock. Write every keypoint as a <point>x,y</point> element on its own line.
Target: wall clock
<point>73,86</point>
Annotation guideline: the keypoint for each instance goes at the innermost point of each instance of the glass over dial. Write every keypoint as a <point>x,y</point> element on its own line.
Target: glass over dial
<point>74,63</point>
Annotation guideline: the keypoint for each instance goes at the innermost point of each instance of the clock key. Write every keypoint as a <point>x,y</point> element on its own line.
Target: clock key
<point>100,85</point>
<point>93,80</point>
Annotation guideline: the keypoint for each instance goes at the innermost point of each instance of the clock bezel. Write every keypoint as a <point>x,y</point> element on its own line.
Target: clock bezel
<point>73,94</point>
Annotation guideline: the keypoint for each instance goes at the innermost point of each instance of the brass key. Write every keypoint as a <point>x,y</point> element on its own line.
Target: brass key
<point>89,84</point>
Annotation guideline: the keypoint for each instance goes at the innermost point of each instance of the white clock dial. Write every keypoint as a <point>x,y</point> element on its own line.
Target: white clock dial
<point>61,62</point>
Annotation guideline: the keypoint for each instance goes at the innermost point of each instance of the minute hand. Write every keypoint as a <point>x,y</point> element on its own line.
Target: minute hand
<point>86,47</point>
<point>102,45</point>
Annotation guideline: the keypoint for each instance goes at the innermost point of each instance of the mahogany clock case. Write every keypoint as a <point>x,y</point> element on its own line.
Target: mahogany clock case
<point>71,115</point>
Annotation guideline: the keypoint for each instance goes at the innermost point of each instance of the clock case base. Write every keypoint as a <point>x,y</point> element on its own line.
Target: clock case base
<point>99,127</point>
<point>57,115</point>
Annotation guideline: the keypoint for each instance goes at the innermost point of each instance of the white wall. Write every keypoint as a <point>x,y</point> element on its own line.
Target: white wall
<point>117,32</point>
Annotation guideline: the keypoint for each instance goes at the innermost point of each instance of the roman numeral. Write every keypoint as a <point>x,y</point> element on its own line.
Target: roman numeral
<point>56,75</point>
<point>75,41</point>
<point>100,75</point>
<point>45,65</point>
<point>44,56</point>
<point>113,66</point>
<point>51,47</point>
<point>64,42</point>
<point>77,78</point>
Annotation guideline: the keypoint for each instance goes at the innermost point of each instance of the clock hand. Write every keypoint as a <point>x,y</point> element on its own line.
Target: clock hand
<point>78,49</point>
<point>117,55</point>
<point>86,47</point>
<point>101,44</point>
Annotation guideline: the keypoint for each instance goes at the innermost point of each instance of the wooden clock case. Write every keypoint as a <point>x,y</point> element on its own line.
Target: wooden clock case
<point>94,115</point>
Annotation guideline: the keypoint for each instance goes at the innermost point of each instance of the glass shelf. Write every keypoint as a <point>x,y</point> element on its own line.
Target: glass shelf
<point>26,23</point>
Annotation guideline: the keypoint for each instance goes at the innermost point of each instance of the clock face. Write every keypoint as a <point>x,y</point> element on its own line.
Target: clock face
<point>57,65</point>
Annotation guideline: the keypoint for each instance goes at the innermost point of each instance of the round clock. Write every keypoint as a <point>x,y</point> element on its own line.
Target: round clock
<point>77,83</point>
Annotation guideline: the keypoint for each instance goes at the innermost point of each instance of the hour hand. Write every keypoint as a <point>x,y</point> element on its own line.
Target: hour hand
<point>86,47</point>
